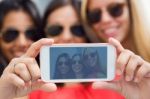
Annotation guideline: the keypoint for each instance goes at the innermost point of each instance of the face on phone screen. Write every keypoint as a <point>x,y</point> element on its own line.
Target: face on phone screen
<point>78,62</point>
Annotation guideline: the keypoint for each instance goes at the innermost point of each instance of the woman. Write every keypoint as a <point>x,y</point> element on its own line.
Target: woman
<point>56,26</point>
<point>62,23</point>
<point>77,66</point>
<point>31,81</point>
<point>121,20</point>
<point>63,68</point>
<point>70,31</point>
<point>19,28</point>
<point>92,63</point>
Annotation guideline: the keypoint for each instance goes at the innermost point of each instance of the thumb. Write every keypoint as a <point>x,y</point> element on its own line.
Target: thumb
<point>116,44</point>
<point>34,49</point>
<point>40,85</point>
<point>107,85</point>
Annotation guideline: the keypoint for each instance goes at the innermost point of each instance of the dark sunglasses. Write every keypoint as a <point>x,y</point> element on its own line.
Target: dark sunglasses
<point>76,62</point>
<point>56,30</point>
<point>63,63</point>
<point>11,34</point>
<point>92,55</point>
<point>95,16</point>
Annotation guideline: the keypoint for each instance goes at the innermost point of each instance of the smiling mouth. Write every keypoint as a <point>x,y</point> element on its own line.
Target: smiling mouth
<point>111,32</point>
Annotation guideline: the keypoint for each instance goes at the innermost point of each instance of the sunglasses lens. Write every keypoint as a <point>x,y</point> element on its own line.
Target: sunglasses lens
<point>116,10</point>
<point>78,30</point>
<point>54,30</point>
<point>10,35</point>
<point>31,34</point>
<point>94,16</point>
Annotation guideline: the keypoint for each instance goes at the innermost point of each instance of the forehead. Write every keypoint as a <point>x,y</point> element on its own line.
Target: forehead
<point>103,3</point>
<point>63,13</point>
<point>18,19</point>
<point>62,58</point>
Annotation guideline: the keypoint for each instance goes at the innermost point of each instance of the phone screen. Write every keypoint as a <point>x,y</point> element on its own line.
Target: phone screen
<point>78,63</point>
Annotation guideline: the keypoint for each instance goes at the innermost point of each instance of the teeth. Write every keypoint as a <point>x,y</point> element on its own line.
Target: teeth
<point>110,30</point>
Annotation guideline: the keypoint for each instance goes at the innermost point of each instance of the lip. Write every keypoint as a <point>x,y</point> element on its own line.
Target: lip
<point>110,32</point>
<point>77,68</point>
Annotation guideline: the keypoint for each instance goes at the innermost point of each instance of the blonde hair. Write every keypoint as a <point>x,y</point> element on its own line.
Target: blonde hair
<point>140,32</point>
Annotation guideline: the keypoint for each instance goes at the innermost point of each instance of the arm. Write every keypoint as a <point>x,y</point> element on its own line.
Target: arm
<point>134,72</point>
<point>22,75</point>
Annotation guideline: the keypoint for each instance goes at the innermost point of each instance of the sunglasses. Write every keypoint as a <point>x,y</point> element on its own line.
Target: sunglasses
<point>76,62</point>
<point>63,63</point>
<point>92,55</point>
<point>114,11</point>
<point>56,30</point>
<point>11,34</point>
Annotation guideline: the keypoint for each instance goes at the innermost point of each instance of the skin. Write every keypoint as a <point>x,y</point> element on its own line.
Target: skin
<point>19,46</point>
<point>77,67</point>
<point>64,67</point>
<point>91,61</point>
<point>22,76</point>
<point>132,69</point>
<point>108,26</point>
<point>134,72</point>
<point>59,16</point>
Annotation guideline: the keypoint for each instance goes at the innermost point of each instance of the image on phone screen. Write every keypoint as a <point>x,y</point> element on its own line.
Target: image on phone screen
<point>78,62</point>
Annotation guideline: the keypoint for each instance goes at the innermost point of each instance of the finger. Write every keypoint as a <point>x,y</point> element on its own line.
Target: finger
<point>117,44</point>
<point>107,85</point>
<point>131,67</point>
<point>15,80</point>
<point>142,72</point>
<point>35,47</point>
<point>33,68</point>
<point>40,85</point>
<point>22,71</point>
<point>31,65</point>
<point>123,60</point>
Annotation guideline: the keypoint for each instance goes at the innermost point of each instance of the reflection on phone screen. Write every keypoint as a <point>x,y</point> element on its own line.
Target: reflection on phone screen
<point>78,62</point>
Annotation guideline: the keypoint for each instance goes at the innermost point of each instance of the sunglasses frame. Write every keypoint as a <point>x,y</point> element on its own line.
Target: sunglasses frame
<point>110,9</point>
<point>31,38</point>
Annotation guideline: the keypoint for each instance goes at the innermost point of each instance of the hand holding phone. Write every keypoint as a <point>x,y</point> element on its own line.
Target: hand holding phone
<point>78,62</point>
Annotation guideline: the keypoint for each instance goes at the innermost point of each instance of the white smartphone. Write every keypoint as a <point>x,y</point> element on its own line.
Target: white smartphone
<point>78,62</point>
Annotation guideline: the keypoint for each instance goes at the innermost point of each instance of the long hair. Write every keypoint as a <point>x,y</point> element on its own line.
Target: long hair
<point>140,34</point>
<point>27,6</point>
<point>57,72</point>
<point>55,4</point>
<point>6,6</point>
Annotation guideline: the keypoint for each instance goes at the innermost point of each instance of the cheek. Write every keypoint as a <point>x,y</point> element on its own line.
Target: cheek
<point>96,27</point>
<point>6,49</point>
<point>124,27</point>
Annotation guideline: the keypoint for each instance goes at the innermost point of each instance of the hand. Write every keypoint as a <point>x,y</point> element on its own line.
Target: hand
<point>135,74</point>
<point>22,75</point>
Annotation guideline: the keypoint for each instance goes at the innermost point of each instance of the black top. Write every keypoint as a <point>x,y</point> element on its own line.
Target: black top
<point>3,63</point>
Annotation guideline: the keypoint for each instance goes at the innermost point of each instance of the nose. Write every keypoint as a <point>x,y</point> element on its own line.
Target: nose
<point>106,18</point>
<point>22,40</point>
<point>66,36</point>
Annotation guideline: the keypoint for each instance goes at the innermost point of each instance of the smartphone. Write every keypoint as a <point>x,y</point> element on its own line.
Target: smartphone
<point>77,62</point>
